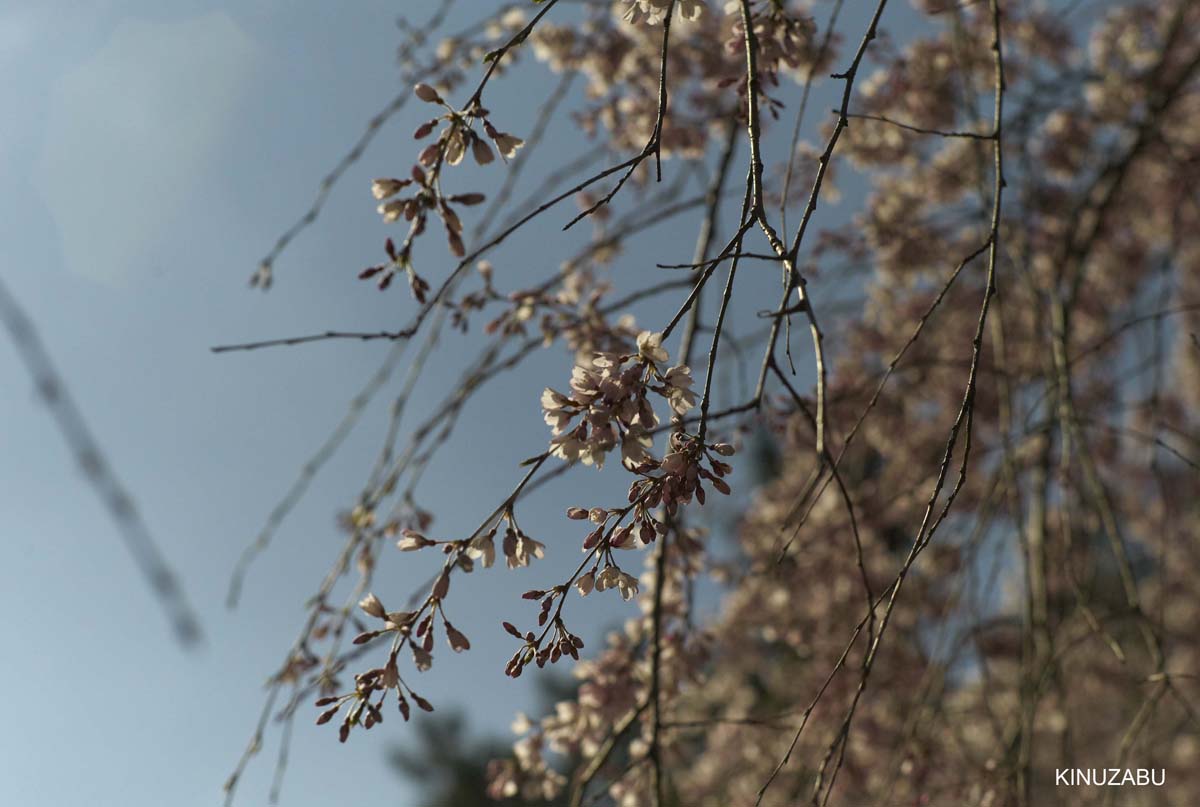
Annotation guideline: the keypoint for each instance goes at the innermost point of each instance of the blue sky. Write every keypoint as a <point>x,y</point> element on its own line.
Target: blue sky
<point>155,152</point>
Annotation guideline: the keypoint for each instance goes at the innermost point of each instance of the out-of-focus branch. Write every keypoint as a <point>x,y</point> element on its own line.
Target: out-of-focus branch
<point>120,504</point>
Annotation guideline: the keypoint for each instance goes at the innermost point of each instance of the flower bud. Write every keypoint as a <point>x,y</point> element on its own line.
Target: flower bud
<point>458,641</point>
<point>442,587</point>
<point>424,129</point>
<point>385,187</point>
<point>372,606</point>
<point>482,152</point>
<point>412,540</point>
<point>427,94</point>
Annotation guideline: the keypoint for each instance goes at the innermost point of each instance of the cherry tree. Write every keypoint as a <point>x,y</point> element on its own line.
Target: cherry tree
<point>976,564</point>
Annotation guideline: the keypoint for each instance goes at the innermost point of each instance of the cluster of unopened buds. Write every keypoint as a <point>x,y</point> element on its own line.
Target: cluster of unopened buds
<point>518,548</point>
<point>683,473</point>
<point>457,137</point>
<point>416,628</point>
<point>547,647</point>
<point>610,400</point>
<point>681,476</point>
<point>364,708</point>
<point>398,261</point>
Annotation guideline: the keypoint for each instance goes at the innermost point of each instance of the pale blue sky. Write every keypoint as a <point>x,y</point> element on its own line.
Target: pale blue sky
<point>149,155</point>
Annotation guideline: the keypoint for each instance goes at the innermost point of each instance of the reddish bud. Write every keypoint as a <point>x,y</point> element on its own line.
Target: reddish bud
<point>427,94</point>
<point>424,129</point>
<point>429,155</point>
<point>593,538</point>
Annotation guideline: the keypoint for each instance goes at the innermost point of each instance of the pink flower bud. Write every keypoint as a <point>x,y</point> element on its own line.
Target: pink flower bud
<point>424,129</point>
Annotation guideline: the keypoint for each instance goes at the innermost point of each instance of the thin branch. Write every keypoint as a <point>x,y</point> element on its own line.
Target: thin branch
<point>918,129</point>
<point>264,276</point>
